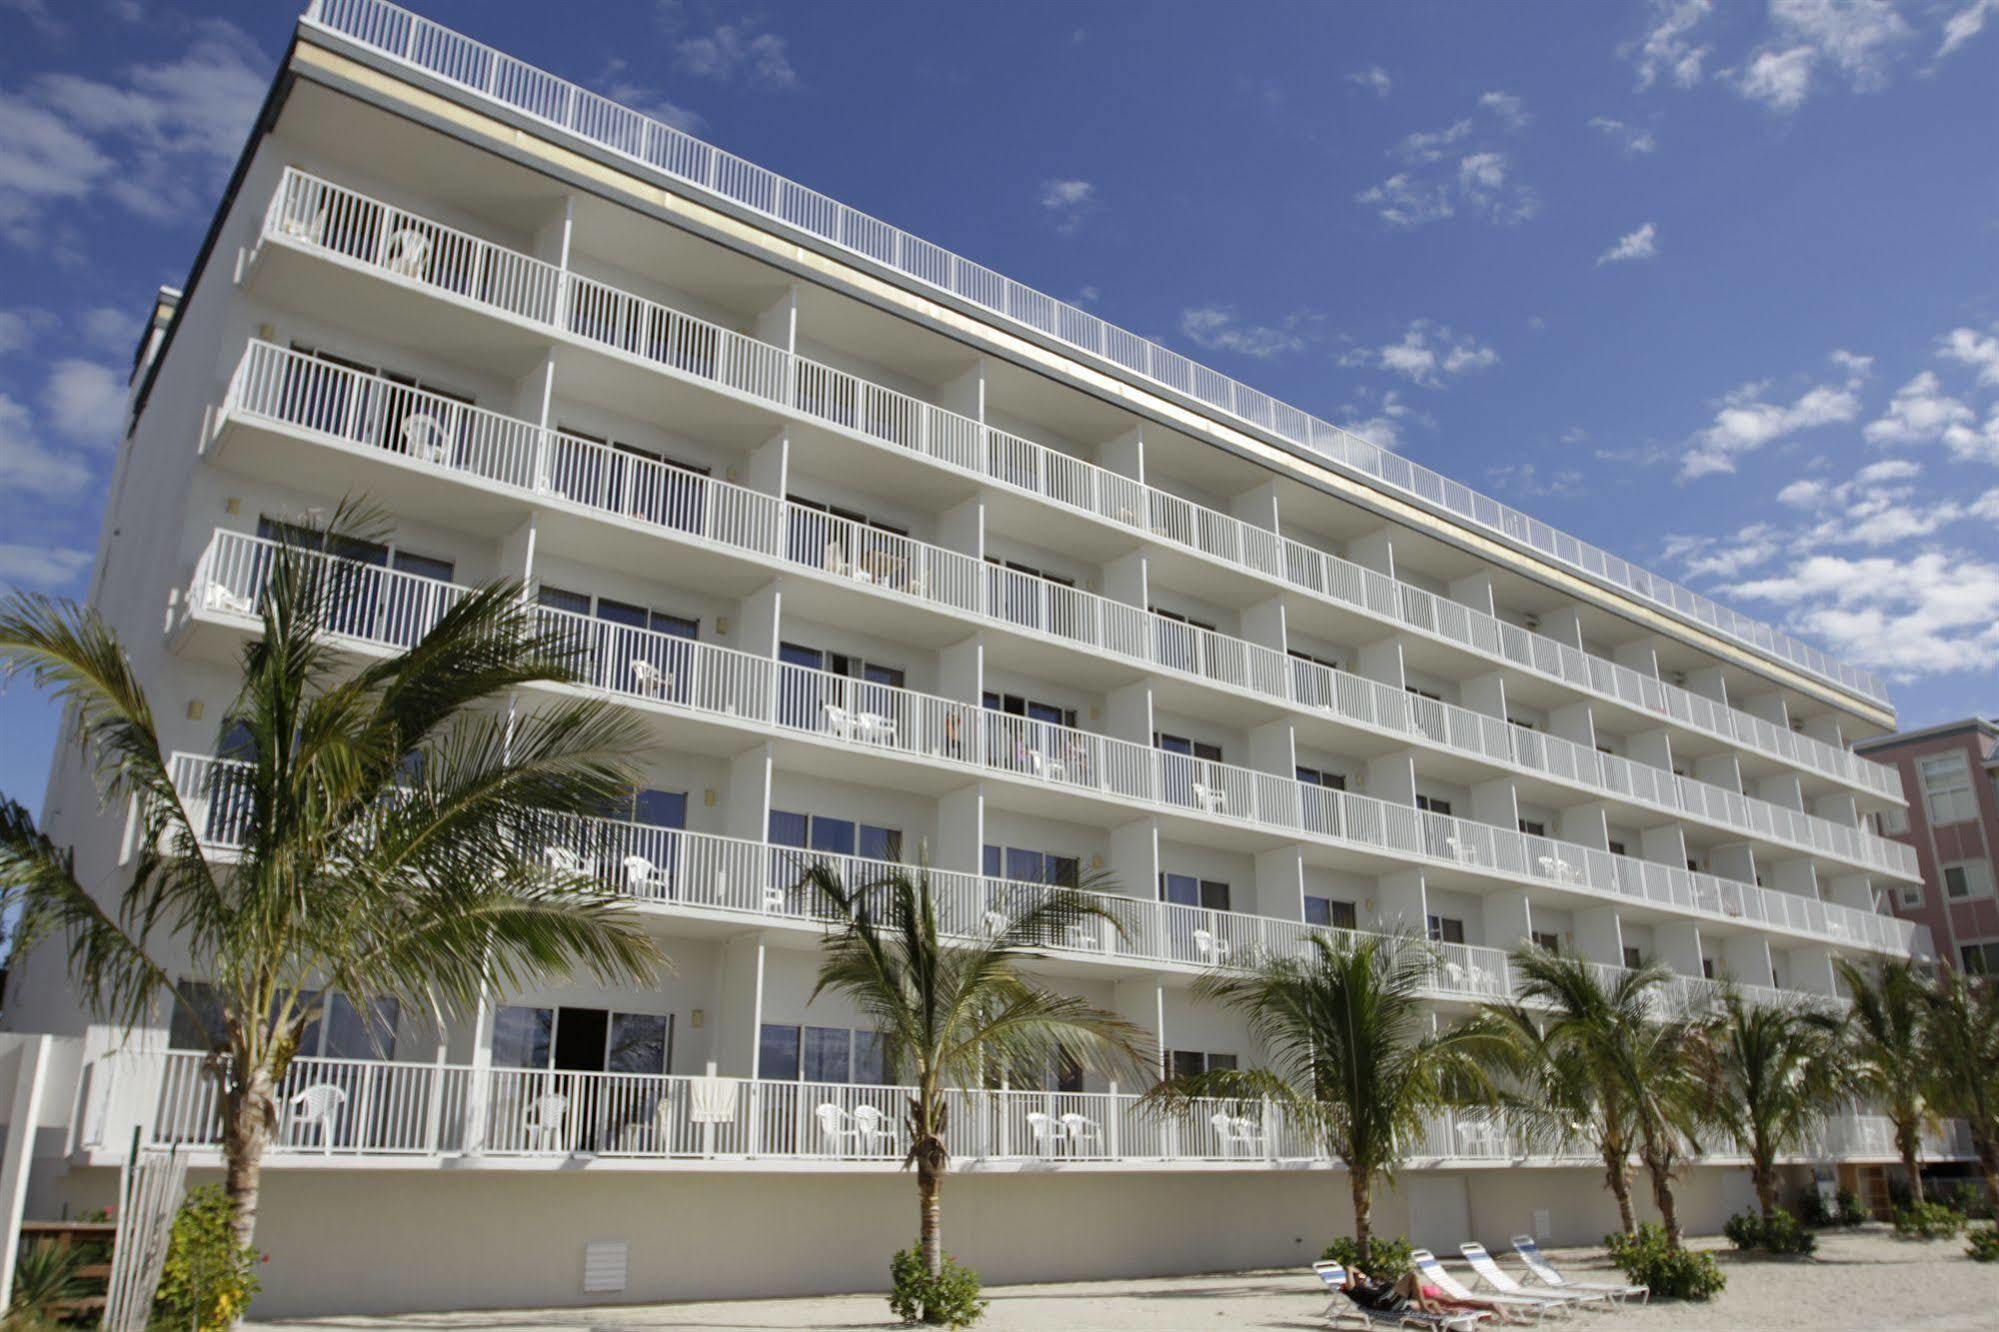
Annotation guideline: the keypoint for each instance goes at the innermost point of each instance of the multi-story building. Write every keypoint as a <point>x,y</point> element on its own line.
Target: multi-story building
<point>890,552</point>
<point>1952,822</point>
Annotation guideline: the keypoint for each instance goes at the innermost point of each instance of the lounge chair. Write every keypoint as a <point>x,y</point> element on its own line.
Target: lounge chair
<point>1334,1278</point>
<point>1498,1279</point>
<point>1432,1271</point>
<point>1543,1271</point>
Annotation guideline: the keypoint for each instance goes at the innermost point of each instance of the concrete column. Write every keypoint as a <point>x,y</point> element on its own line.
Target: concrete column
<point>761,620</point>
<point>962,528</point>
<point>739,1007</point>
<point>1719,770</point>
<point>1746,958</point>
<point>1564,624</point>
<point>1653,748</point>
<point>1474,590</point>
<point>1585,825</point>
<point>1850,890</point>
<point>1128,713</point>
<point>1783,788</point>
<point>1392,777</point>
<point>1826,726</point>
<point>1842,807</point>
<point>777,323</point>
<point>1599,937</point>
<point>1273,748</point>
<point>1134,859</point>
<point>961,670</point>
<point>1496,802</point>
<point>1486,694</point>
<point>1257,506</point>
<point>1797,877</point>
<point>1640,654</point>
<point>534,394</point>
<point>1375,550</point>
<point>1126,579</point>
<point>31,1079</point>
<point>1265,625</point>
<point>1769,706</point>
<point>1280,882</point>
<point>961,830</point>
<point>1735,861</point>
<point>1709,683</point>
<point>1125,455</point>
<point>768,467</point>
<point>1574,722</point>
<point>1663,845</point>
<point>1810,968</point>
<point>1142,1002</point>
<point>1381,661</point>
<point>517,551</point>
<point>1509,918</point>
<point>1678,944</point>
<point>1400,902</point>
<point>747,813</point>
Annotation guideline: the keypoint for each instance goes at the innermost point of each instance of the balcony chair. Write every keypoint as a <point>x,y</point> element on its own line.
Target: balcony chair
<point>407,254</point>
<point>642,879</point>
<point>1209,949</point>
<point>1083,935</point>
<point>1084,1134</point>
<point>1238,1136</point>
<point>1049,1135</point>
<point>836,1131</point>
<point>1048,769</point>
<point>652,682</point>
<point>220,596</point>
<point>875,728</point>
<point>318,1107</point>
<point>564,861</point>
<point>1477,1138</point>
<point>1213,799</point>
<point>425,438</point>
<point>835,559</point>
<point>776,900</point>
<point>310,230</point>
<point>842,722</point>
<point>1462,852</point>
<point>996,923</point>
<point>876,1133</point>
<point>541,1127</point>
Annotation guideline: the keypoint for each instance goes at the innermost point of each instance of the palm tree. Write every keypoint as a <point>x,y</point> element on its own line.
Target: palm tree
<point>1773,1072</point>
<point>1963,1036</point>
<point>1352,1053</point>
<point>952,1014</point>
<point>1887,1055</point>
<point>379,806</point>
<point>1558,1092</point>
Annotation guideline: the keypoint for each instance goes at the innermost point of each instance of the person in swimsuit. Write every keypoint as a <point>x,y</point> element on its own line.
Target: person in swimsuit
<point>1384,1296</point>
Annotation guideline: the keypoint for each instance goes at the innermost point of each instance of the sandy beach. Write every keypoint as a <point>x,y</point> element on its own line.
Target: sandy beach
<point>1859,1280</point>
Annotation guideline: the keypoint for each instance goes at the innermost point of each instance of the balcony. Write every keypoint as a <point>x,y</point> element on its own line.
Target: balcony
<point>313,216</point>
<point>407,428</point>
<point>677,676</point>
<point>660,150</point>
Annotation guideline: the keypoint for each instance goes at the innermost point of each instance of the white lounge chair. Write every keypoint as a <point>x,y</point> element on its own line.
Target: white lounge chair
<point>1496,1278</point>
<point>1048,1132</point>
<point>877,729</point>
<point>541,1128</point>
<point>1544,1272</point>
<point>425,438</point>
<point>318,1108</point>
<point>1048,769</point>
<point>407,253</point>
<point>842,721</point>
<point>1343,1306</point>
<point>873,1127</point>
<point>1238,1136</point>
<point>651,681</point>
<point>1085,1134</point>
<point>1211,798</point>
<point>776,900</point>
<point>1433,1272</point>
<point>996,923</point>
<point>836,1130</point>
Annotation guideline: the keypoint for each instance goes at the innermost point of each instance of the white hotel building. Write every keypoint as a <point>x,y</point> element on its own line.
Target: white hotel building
<point>890,554</point>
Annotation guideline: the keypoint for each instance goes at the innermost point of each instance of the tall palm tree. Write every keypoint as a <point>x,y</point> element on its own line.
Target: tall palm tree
<point>1887,1055</point>
<point>1352,1054</point>
<point>1774,1072</point>
<point>380,806</point>
<point>953,1013</point>
<point>1963,1038</point>
<point>1560,1093</point>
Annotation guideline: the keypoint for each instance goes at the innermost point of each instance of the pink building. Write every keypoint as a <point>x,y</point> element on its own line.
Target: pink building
<point>1951,774</point>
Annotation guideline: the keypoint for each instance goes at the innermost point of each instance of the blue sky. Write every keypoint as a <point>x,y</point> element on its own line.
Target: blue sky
<point>1712,285</point>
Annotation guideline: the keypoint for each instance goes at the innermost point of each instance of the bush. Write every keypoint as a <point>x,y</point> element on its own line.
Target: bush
<point>1678,1274</point>
<point>1851,1210</point>
<point>1812,1211</point>
<point>1389,1258</point>
<point>1780,1234</point>
<point>950,1299</point>
<point>1930,1220</point>
<point>208,1280</point>
<point>47,1279</point>
<point>1968,1200</point>
<point>1982,1245</point>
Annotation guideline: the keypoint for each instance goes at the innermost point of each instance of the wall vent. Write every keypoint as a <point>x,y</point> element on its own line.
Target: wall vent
<point>605,1263</point>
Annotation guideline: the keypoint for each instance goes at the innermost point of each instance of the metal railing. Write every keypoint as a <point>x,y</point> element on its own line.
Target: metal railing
<point>655,146</point>
<point>682,343</point>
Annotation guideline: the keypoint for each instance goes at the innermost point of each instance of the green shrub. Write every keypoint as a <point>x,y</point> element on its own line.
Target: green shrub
<point>1813,1212</point>
<point>208,1280</point>
<point>45,1281</point>
<point>1780,1234</point>
<point>1982,1245</point>
<point>1930,1220</point>
<point>1968,1200</point>
<point>1851,1210</point>
<point>950,1299</point>
<point>1678,1274</point>
<point>1389,1257</point>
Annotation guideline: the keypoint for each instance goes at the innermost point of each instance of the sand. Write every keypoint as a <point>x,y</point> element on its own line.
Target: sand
<point>1863,1279</point>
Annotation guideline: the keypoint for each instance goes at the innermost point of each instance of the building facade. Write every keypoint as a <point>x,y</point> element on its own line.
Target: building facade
<point>893,556</point>
<point>1952,822</point>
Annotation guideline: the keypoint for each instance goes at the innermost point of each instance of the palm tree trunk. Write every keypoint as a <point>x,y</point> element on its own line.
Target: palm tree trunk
<point>246,1132</point>
<point>1617,1174</point>
<point>1907,1142</point>
<point>930,1217</point>
<point>1764,1173</point>
<point>1362,1183</point>
<point>1662,1194</point>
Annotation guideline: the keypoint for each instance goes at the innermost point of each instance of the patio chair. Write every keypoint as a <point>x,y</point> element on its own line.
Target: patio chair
<point>407,253</point>
<point>1544,1272</point>
<point>1334,1278</point>
<point>651,682</point>
<point>1433,1272</point>
<point>876,1133</point>
<point>996,923</point>
<point>840,720</point>
<point>642,879</point>
<point>836,1130</point>
<point>1496,1278</point>
<point>1237,1136</point>
<point>318,1107</point>
<point>1048,1132</point>
<point>1048,769</point>
<point>1210,949</point>
<point>219,596</point>
<point>311,230</point>
<point>425,438</point>
<point>1084,1133</point>
<point>776,900</point>
<point>877,728</point>
<point>564,861</point>
<point>541,1128</point>
<point>1211,798</point>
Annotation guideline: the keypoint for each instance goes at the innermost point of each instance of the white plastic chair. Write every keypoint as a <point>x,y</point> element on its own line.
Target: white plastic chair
<point>311,229</point>
<point>835,1131</point>
<point>1048,1132</point>
<point>542,1126</point>
<point>841,720</point>
<point>1237,1136</point>
<point>1048,769</point>
<point>1210,949</point>
<point>407,253</point>
<point>318,1107</point>
<point>425,438</point>
<point>877,728</point>
<point>643,879</point>
<point>564,861</point>
<point>1211,798</point>
<point>775,900</point>
<point>220,596</point>
<point>652,682</point>
<point>1084,1133</point>
<point>873,1127</point>
<point>996,923</point>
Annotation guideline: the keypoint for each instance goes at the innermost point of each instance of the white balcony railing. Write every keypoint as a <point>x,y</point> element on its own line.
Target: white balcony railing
<point>663,669</point>
<point>678,342</point>
<point>279,385</point>
<point>660,148</point>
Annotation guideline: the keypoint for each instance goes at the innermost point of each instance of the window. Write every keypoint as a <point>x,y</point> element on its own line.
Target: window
<point>1909,894</point>
<point>1332,781</point>
<point>1013,862</point>
<point>197,1017</point>
<point>1892,822</point>
<point>343,1031</point>
<point>1432,805</point>
<point>1967,878</point>
<point>1534,827</point>
<point>840,837</point>
<point>523,1037</point>
<point>1616,847</point>
<point>1633,958</point>
<point>1330,912</point>
<point>1422,693</point>
<point>1016,705</point>
<point>1947,789</point>
<point>1524,725</point>
<point>1192,1063</point>
<point>1186,890</point>
<point>1037,598</point>
<point>1446,929</point>
<point>1707,968</point>
<point>1177,744</point>
<point>1547,940</point>
<point>821,1054</point>
<point>1981,959</point>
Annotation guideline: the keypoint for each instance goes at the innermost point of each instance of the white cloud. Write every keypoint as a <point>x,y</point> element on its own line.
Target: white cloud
<point>49,568</point>
<point>1375,79</point>
<point>1930,613</point>
<point>1217,328</point>
<point>1803,494</point>
<point>618,84</point>
<point>1667,50</point>
<point>1068,202</point>
<point>1857,367</point>
<point>1723,557</point>
<point>85,401</point>
<point>1743,423</point>
<point>1457,166</point>
<point>1403,201</point>
<point>109,328</point>
<point>1630,139</point>
<point>26,464</point>
<point>1967,346</point>
<point>1919,413</point>
<point>734,50</point>
<point>1640,244</point>
<point>1527,479</point>
<point>16,329</point>
<point>1965,24</point>
<point>1859,38</point>
<point>1429,353</point>
<point>1385,427</point>
<point>1779,79</point>
<point>1431,145</point>
<point>1507,107</point>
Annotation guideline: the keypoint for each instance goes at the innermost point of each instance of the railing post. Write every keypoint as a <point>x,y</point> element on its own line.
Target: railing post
<point>1114,1144</point>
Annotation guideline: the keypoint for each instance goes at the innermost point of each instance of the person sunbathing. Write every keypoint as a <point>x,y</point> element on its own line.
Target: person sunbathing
<point>1410,1291</point>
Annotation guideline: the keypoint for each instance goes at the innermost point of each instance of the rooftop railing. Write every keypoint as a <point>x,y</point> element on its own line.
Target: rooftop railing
<point>315,213</point>
<point>657,147</point>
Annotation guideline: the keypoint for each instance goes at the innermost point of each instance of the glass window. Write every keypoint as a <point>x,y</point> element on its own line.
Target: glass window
<point>660,809</point>
<point>423,566</point>
<point>787,829</point>
<point>1910,894</point>
<point>350,1034</point>
<point>1432,805</point>
<point>833,835</point>
<point>1320,777</point>
<point>1981,959</point>
<point>576,603</point>
<point>1024,865</point>
<point>197,1017</point>
<point>1446,929</point>
<point>1548,939</point>
<point>1536,828</point>
<point>870,1058</point>
<point>1892,822</point>
<point>777,1053</point>
<point>1947,788</point>
<point>679,626</point>
<point>619,612</point>
<point>826,1054</point>
<point>1633,958</point>
<point>1968,878</point>
<point>638,1043</point>
<point>1188,1063</point>
<point>881,843</point>
<point>1183,889</point>
<point>523,1037</point>
<point>1330,912</point>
